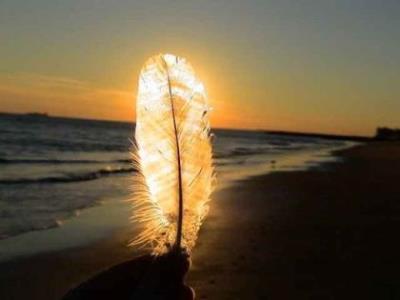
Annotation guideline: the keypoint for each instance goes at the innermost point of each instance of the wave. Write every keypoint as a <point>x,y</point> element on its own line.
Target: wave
<point>60,161</point>
<point>269,149</point>
<point>242,151</point>
<point>69,177</point>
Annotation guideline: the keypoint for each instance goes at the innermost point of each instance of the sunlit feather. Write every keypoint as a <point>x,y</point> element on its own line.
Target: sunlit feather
<point>172,155</point>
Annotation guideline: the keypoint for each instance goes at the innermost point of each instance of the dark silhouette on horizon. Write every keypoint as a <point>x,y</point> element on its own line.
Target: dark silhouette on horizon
<point>387,134</point>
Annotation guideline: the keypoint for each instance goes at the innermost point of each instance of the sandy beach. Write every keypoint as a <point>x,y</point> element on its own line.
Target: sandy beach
<point>306,235</point>
<point>325,233</point>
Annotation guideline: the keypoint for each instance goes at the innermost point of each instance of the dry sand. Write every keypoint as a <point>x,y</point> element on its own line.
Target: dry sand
<point>319,234</point>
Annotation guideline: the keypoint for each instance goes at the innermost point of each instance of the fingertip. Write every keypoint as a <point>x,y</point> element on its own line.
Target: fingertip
<point>188,293</point>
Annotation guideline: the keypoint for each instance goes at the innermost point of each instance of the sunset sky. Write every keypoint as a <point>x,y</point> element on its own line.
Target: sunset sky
<point>315,66</point>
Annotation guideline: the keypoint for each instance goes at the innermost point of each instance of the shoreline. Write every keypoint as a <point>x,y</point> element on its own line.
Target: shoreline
<point>265,235</point>
<point>99,222</point>
<point>93,225</point>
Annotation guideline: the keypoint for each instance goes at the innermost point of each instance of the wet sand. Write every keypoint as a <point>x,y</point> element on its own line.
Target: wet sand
<point>327,233</point>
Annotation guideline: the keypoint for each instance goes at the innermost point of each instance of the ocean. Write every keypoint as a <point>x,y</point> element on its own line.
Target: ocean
<point>52,169</point>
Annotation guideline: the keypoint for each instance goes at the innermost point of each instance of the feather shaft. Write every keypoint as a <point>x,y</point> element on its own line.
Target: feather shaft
<point>178,161</point>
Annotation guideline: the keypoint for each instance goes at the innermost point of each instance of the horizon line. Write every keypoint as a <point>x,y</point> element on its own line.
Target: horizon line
<point>273,131</point>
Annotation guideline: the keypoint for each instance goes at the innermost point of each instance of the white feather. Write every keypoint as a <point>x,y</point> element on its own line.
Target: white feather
<point>172,136</point>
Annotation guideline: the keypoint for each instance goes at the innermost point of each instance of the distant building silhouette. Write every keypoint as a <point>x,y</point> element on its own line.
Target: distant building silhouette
<point>387,134</point>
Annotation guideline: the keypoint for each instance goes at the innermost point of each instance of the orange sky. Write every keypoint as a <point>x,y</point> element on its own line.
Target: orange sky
<point>330,68</point>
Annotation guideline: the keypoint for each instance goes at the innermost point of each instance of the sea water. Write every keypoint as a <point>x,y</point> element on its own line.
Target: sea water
<point>53,169</point>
